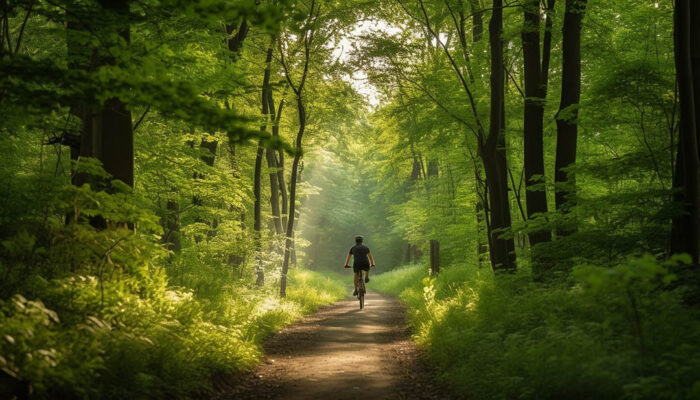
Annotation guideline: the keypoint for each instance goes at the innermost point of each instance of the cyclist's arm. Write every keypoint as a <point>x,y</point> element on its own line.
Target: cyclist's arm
<point>347,261</point>
<point>371,260</point>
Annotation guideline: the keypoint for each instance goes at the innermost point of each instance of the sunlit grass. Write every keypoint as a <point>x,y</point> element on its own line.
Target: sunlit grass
<point>311,289</point>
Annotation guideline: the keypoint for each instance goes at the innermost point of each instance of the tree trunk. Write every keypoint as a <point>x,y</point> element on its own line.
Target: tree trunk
<point>257,223</point>
<point>270,154</point>
<point>208,157</point>
<point>236,259</point>
<point>116,134</point>
<point>297,213</point>
<point>235,42</point>
<point>535,198</point>
<point>432,171</point>
<point>260,280</point>
<point>107,132</point>
<point>279,158</point>
<point>477,20</point>
<point>406,258</point>
<point>684,228</point>
<point>292,195</point>
<point>298,91</point>
<point>494,152</point>
<point>434,257</point>
<point>283,191</point>
<point>695,58</point>
<point>274,190</point>
<point>482,220</point>
<point>547,47</point>
<point>567,116</point>
<point>171,236</point>
<point>481,215</point>
<point>293,253</point>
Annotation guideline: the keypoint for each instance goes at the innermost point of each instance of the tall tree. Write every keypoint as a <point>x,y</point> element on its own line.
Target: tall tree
<point>567,116</point>
<point>684,229</point>
<point>482,208</point>
<point>279,156</point>
<point>112,126</point>
<point>307,37</point>
<point>107,132</point>
<point>271,154</point>
<point>494,152</point>
<point>491,148</point>
<point>257,219</point>
<point>533,118</point>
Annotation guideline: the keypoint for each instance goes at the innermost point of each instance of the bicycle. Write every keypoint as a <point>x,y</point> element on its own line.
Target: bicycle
<point>361,288</point>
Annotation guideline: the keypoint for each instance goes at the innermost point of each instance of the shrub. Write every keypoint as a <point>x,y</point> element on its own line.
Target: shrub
<point>619,332</point>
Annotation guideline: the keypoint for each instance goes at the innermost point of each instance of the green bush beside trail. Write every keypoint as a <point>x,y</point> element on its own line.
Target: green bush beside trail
<point>611,333</point>
<point>165,344</point>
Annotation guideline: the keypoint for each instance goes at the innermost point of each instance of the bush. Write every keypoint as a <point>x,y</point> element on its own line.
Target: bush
<point>111,314</point>
<point>619,332</point>
<point>166,345</point>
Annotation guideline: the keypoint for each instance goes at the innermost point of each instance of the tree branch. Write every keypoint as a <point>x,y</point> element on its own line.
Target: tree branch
<point>21,30</point>
<point>136,125</point>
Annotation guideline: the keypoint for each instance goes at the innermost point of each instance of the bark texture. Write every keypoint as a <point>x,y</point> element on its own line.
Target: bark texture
<point>567,116</point>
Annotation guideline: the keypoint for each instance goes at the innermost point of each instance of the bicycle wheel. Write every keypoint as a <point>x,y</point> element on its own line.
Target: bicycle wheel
<point>361,291</point>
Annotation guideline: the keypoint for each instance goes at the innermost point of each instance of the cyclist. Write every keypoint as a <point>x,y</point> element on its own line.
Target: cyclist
<point>362,261</point>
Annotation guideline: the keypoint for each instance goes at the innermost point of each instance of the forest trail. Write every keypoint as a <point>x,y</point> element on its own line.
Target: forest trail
<point>341,352</point>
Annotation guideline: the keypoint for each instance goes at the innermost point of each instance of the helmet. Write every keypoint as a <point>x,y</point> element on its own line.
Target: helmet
<point>358,239</point>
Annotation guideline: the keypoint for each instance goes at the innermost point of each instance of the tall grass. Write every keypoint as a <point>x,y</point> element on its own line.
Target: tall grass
<point>611,333</point>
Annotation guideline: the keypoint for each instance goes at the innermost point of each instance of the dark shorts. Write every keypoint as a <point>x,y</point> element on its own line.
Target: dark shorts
<point>357,268</point>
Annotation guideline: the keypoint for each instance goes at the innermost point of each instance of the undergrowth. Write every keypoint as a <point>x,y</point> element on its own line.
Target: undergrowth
<point>167,344</point>
<point>610,333</point>
<point>94,304</point>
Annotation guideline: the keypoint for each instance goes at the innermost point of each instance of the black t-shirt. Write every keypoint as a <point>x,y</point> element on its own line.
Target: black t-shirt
<point>359,253</point>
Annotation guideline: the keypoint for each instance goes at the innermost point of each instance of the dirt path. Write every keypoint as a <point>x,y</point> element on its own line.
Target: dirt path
<point>341,352</point>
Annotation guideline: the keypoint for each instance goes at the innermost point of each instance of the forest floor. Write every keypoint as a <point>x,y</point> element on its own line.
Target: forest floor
<point>340,352</point>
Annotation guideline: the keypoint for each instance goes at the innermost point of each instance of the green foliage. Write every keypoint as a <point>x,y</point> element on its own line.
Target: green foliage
<point>619,332</point>
<point>111,291</point>
<point>166,344</point>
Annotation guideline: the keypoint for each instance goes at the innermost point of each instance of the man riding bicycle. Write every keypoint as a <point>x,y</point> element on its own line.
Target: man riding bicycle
<point>363,261</point>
